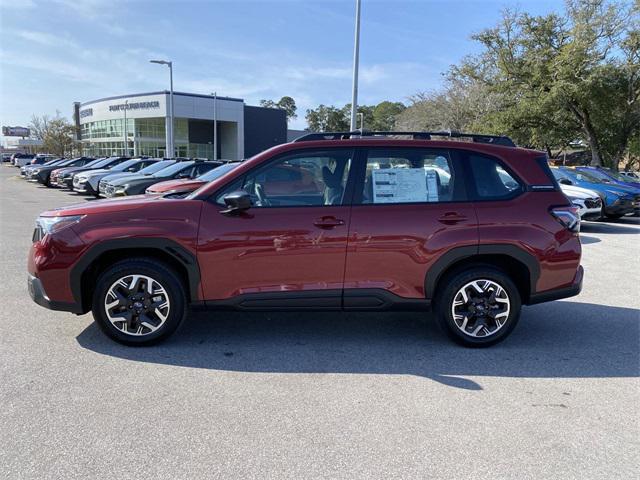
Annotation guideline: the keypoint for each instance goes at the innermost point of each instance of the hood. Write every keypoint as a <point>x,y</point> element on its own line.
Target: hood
<point>578,192</point>
<point>117,204</point>
<point>70,169</point>
<point>133,177</point>
<point>90,172</point>
<point>621,189</point>
<point>183,185</point>
<point>109,177</point>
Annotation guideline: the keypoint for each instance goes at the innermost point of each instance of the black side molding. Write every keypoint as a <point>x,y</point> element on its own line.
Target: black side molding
<point>366,299</point>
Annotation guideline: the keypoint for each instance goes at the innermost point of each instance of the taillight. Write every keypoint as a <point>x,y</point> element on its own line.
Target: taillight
<point>568,217</point>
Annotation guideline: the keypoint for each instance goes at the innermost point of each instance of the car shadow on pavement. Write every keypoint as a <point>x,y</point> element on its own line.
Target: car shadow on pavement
<point>557,340</point>
<point>609,228</point>
<point>586,239</point>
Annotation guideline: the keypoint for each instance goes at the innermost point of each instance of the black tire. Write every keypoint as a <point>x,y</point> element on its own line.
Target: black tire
<point>160,273</point>
<point>453,283</point>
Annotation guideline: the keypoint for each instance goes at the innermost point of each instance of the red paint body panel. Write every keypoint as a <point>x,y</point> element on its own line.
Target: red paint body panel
<point>181,185</point>
<point>264,251</point>
<point>393,246</point>
<point>526,223</point>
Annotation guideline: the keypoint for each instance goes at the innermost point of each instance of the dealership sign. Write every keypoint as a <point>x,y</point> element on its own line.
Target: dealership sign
<point>134,106</point>
<point>15,132</point>
<point>87,112</point>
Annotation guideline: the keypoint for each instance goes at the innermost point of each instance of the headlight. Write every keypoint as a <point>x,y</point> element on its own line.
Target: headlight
<point>121,188</point>
<point>36,170</point>
<point>55,224</point>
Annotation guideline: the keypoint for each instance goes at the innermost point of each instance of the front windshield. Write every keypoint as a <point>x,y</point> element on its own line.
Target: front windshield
<point>217,172</point>
<point>124,165</point>
<point>68,162</point>
<point>155,167</point>
<point>93,162</point>
<point>581,176</point>
<point>101,162</point>
<point>597,174</point>
<point>173,169</point>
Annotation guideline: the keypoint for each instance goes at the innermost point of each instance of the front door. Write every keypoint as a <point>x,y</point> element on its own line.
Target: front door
<point>410,206</point>
<point>289,248</point>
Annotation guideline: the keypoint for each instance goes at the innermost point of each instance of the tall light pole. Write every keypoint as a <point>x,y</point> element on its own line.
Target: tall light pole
<point>215,125</point>
<point>356,59</point>
<point>124,129</point>
<point>169,126</point>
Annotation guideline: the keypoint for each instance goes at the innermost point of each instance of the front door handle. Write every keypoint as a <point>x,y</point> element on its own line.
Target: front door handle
<point>328,222</point>
<point>451,218</point>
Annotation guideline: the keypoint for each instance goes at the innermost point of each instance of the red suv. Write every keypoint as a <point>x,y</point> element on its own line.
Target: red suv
<point>351,221</point>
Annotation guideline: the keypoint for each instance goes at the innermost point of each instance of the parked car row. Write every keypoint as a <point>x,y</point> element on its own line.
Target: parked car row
<point>121,176</point>
<point>586,185</point>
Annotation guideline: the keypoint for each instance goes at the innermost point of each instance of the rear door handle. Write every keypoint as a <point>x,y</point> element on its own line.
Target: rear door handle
<point>452,217</point>
<point>328,222</point>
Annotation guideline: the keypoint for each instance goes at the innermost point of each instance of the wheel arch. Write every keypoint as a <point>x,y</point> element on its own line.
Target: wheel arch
<point>106,253</point>
<point>520,265</point>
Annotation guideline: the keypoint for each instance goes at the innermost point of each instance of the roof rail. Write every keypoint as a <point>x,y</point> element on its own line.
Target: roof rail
<point>476,137</point>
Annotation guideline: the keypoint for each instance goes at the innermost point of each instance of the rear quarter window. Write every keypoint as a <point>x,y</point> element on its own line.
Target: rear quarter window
<point>491,180</point>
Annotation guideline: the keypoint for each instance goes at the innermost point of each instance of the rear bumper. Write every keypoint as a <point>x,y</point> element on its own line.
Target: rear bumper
<point>38,295</point>
<point>557,293</point>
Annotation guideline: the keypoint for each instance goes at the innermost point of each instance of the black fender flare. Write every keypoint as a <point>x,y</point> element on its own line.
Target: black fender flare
<point>180,254</point>
<point>459,253</point>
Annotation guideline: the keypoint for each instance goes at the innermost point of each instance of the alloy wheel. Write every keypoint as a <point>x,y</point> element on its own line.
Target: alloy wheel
<point>480,308</point>
<point>137,304</point>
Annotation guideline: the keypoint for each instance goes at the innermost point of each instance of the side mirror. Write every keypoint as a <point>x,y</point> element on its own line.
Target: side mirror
<point>566,181</point>
<point>237,202</point>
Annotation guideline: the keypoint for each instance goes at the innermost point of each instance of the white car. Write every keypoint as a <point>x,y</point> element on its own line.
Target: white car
<point>588,202</point>
<point>22,160</point>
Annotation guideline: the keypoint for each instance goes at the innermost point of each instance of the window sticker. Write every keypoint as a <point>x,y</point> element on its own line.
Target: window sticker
<point>402,185</point>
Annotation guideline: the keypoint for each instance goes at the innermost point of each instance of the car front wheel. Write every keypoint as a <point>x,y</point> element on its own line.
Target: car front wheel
<point>139,302</point>
<point>478,307</point>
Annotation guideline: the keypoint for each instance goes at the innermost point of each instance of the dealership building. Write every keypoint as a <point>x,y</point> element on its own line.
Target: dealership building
<point>135,125</point>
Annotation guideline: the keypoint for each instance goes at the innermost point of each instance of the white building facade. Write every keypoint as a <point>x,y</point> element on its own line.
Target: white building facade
<point>102,129</point>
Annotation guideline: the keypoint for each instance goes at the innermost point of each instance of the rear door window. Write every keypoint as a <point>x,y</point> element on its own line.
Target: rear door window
<point>411,175</point>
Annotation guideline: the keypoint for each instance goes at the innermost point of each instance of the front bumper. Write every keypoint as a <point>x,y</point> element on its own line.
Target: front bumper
<point>557,293</point>
<point>624,207</point>
<point>38,295</point>
<point>83,187</point>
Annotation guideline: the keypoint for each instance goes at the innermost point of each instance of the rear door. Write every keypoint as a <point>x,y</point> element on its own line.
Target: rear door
<point>410,207</point>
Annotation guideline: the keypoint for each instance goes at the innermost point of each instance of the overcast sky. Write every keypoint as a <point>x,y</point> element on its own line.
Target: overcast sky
<point>55,52</point>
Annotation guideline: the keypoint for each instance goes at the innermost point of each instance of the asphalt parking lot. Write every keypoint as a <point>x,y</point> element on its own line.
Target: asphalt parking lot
<point>304,395</point>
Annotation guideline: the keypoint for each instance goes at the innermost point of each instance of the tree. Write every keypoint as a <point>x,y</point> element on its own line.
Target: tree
<point>560,76</point>
<point>57,134</point>
<point>459,106</point>
<point>385,115</point>
<point>286,103</point>
<point>332,119</point>
<point>327,119</point>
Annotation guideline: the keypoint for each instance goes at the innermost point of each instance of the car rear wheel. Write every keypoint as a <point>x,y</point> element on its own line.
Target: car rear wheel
<point>478,307</point>
<point>139,302</point>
